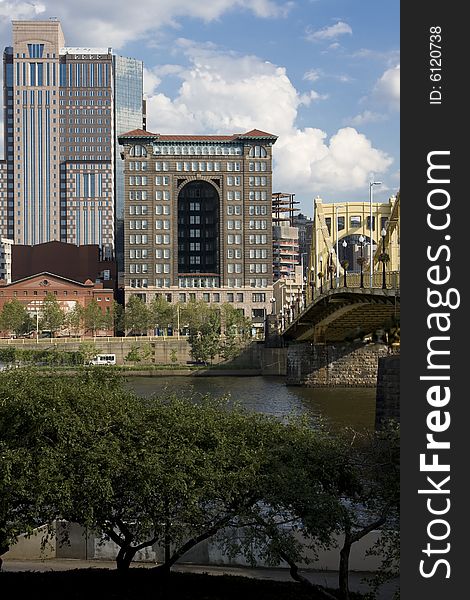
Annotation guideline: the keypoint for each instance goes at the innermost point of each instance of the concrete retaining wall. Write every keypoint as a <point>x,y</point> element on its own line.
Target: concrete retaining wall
<point>165,351</point>
<point>31,547</point>
<point>88,546</point>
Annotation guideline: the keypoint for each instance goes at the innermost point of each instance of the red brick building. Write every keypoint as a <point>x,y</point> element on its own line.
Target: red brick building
<point>77,263</point>
<point>32,290</point>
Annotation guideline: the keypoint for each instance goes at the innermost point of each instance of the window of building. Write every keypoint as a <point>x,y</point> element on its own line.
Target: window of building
<point>258,239</point>
<point>257,181</point>
<point>257,166</point>
<point>261,297</point>
<point>257,152</point>
<point>230,297</point>
<point>368,223</point>
<point>137,150</point>
<point>355,221</point>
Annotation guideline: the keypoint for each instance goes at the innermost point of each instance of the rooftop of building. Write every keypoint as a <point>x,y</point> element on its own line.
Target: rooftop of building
<point>253,134</point>
<point>88,283</point>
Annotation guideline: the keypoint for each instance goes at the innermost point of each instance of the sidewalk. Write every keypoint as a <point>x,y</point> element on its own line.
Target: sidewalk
<point>326,578</point>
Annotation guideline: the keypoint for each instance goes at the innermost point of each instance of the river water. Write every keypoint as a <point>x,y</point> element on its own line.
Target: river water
<point>338,407</point>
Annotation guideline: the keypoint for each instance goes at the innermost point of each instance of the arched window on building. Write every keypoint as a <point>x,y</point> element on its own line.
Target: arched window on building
<point>138,150</point>
<point>258,152</point>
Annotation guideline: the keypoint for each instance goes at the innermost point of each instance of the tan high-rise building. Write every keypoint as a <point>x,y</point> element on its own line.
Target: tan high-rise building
<point>63,109</point>
<point>198,218</point>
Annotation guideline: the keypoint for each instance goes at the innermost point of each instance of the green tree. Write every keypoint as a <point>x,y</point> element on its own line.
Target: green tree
<point>108,318</point>
<point>41,423</point>
<point>236,328</point>
<point>162,313</point>
<point>137,316</point>
<point>375,501</point>
<point>309,474</point>
<point>13,316</point>
<point>93,317</point>
<point>118,313</point>
<point>53,316</point>
<point>203,322</point>
<point>88,351</point>
<point>205,340</point>
<point>74,319</point>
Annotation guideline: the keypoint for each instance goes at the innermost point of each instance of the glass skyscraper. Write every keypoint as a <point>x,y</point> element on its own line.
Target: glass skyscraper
<point>128,115</point>
<point>64,108</point>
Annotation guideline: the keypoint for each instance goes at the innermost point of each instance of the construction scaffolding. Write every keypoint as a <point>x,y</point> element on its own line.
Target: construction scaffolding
<point>284,207</point>
<point>285,235</point>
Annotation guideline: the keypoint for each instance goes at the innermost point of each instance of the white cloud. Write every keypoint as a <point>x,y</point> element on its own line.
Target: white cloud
<point>390,57</point>
<point>10,11</point>
<point>313,75</point>
<point>308,162</point>
<point>222,92</point>
<point>117,22</point>
<point>387,88</point>
<point>316,74</point>
<point>366,116</point>
<point>329,33</point>
<point>309,97</point>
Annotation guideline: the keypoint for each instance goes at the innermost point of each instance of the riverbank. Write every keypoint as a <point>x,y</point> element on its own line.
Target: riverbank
<point>150,371</point>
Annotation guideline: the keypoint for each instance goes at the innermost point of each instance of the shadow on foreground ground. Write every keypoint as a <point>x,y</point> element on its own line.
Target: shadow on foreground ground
<point>76,579</point>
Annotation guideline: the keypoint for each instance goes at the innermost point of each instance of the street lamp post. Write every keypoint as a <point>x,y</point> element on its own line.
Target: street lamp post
<point>331,268</point>
<point>384,281</point>
<point>344,244</point>
<point>361,260</point>
<point>320,275</point>
<point>337,236</point>
<point>273,305</point>
<point>371,229</point>
<point>312,283</point>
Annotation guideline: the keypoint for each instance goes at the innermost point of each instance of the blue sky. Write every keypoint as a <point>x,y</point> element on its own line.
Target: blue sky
<point>323,75</point>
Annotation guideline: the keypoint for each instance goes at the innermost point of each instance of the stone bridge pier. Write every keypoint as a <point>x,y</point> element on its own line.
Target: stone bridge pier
<point>341,364</point>
<point>349,364</point>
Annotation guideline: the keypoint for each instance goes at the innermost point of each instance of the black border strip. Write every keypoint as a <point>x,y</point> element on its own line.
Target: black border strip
<point>434,127</point>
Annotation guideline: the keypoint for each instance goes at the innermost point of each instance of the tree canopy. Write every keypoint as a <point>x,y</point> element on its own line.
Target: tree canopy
<point>174,471</point>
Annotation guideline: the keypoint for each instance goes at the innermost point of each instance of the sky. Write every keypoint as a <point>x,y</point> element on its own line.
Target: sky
<point>322,75</point>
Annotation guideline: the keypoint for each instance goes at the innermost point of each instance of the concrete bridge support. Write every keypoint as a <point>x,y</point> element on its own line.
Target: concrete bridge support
<point>341,364</point>
<point>388,390</point>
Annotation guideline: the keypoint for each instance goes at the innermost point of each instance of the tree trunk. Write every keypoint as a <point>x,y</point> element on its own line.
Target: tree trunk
<point>124,558</point>
<point>344,569</point>
<point>296,576</point>
<point>4,547</point>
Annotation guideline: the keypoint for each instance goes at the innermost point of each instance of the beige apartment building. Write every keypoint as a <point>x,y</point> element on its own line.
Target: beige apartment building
<point>198,220</point>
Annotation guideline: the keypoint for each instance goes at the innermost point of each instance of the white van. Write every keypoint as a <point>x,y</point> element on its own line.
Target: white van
<point>104,359</point>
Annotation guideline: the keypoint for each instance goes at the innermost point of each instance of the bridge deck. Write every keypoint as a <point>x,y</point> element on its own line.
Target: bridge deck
<point>345,313</point>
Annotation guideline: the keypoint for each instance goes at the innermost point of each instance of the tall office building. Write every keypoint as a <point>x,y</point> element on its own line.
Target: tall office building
<point>198,218</point>
<point>64,108</point>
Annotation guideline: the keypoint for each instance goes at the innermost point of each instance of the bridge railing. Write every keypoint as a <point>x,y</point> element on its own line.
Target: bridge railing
<point>352,280</point>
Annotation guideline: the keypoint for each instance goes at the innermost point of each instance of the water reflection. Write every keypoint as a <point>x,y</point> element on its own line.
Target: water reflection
<point>341,407</point>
